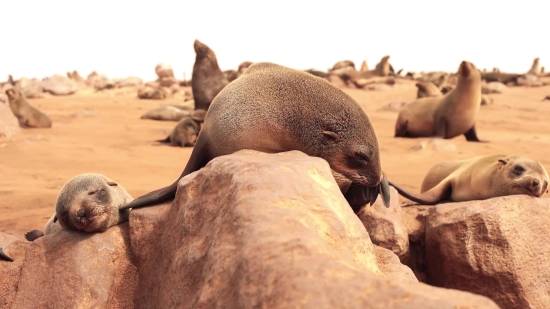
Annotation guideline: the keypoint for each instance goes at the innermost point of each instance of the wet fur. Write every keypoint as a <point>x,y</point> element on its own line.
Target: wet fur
<point>480,178</point>
<point>271,109</point>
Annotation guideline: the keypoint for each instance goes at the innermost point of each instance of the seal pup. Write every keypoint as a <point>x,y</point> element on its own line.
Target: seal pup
<point>186,131</point>
<point>427,89</point>
<point>327,123</point>
<point>28,116</point>
<point>207,78</point>
<point>89,202</point>
<point>445,116</point>
<point>480,178</point>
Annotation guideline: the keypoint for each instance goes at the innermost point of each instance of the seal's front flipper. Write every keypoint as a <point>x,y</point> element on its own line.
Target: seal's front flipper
<point>4,256</point>
<point>471,135</point>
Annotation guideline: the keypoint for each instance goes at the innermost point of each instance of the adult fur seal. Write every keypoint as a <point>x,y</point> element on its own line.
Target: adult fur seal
<point>187,130</point>
<point>28,116</point>
<point>480,178</point>
<point>272,108</point>
<point>427,89</point>
<point>207,78</point>
<point>445,116</point>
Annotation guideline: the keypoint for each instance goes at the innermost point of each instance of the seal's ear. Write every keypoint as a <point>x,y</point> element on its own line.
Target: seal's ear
<point>330,135</point>
<point>55,218</point>
<point>112,183</point>
<point>503,161</point>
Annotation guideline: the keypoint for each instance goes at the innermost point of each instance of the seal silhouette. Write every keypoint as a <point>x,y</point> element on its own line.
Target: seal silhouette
<point>446,116</point>
<point>480,178</point>
<point>272,108</point>
<point>207,80</point>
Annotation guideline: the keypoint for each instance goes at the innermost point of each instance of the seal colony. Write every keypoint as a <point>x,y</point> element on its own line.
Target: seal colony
<point>284,109</point>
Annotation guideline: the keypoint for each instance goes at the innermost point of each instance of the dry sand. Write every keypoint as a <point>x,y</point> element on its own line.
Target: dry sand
<point>111,139</point>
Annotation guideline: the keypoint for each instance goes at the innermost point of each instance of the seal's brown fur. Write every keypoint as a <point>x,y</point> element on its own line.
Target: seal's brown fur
<point>481,178</point>
<point>207,79</point>
<point>28,116</point>
<point>187,130</point>
<point>272,108</point>
<point>445,116</point>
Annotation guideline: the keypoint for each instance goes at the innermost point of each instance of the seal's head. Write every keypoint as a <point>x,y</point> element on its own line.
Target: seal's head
<point>468,71</point>
<point>522,175</point>
<point>90,202</point>
<point>203,51</point>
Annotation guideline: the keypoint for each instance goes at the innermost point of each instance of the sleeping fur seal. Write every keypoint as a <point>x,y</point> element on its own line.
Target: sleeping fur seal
<point>480,178</point>
<point>272,108</point>
<point>187,130</point>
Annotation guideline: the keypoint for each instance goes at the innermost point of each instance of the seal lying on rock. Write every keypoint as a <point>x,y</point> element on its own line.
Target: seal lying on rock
<point>480,178</point>
<point>87,202</point>
<point>446,116</point>
<point>187,130</point>
<point>272,108</point>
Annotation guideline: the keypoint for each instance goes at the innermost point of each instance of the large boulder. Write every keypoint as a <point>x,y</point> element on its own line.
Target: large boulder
<point>497,247</point>
<point>274,231</point>
<point>59,85</point>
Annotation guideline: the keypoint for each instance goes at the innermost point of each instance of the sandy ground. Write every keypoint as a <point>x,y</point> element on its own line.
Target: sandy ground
<point>111,139</point>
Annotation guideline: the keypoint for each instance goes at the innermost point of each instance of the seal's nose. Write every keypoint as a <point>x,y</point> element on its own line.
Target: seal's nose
<point>535,183</point>
<point>81,212</point>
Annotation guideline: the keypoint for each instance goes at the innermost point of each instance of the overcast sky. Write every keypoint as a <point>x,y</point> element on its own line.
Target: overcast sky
<point>122,38</point>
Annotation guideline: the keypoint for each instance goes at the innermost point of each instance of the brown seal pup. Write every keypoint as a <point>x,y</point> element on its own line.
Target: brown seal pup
<point>187,130</point>
<point>207,79</point>
<point>480,178</point>
<point>259,111</point>
<point>28,116</point>
<point>89,202</point>
<point>445,116</point>
<point>427,89</point>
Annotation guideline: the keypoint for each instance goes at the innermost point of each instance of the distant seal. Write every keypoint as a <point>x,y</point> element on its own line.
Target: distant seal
<point>243,66</point>
<point>535,69</point>
<point>445,116</point>
<point>28,116</point>
<point>90,202</point>
<point>207,78</point>
<point>427,89</point>
<point>364,66</point>
<point>165,113</point>
<point>480,178</point>
<point>317,73</point>
<point>343,65</point>
<point>384,68</point>
<point>272,108</point>
<point>187,130</point>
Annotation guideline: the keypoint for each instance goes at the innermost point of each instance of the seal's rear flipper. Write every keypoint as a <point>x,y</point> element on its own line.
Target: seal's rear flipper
<point>471,136</point>
<point>165,141</point>
<point>33,235</point>
<point>401,129</point>
<point>4,256</point>
<point>430,197</point>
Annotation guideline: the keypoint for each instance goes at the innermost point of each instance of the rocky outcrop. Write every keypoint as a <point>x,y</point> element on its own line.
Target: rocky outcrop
<point>497,248</point>
<point>238,235</point>
<point>59,85</point>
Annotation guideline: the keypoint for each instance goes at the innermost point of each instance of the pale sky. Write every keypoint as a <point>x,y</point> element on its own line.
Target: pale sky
<point>122,38</point>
